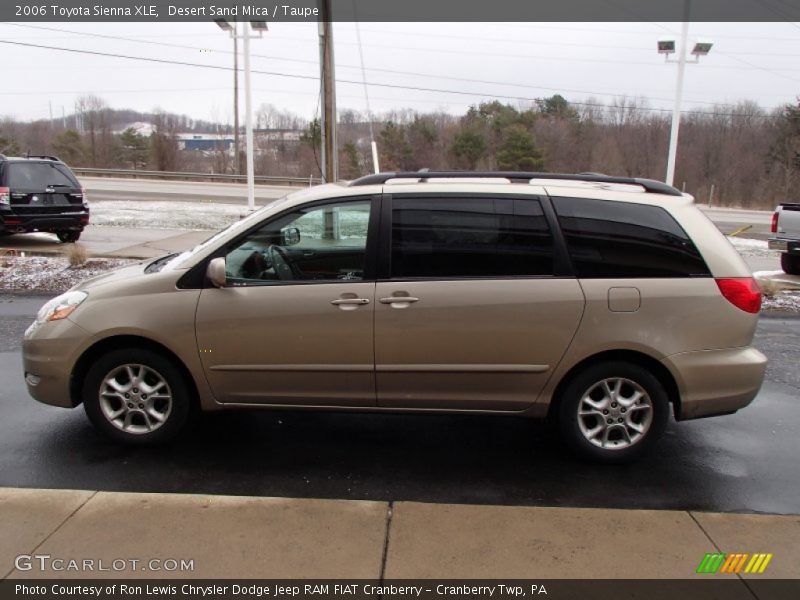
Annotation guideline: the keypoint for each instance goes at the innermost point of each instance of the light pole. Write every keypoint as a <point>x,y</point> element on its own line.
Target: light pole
<point>259,27</point>
<point>667,47</point>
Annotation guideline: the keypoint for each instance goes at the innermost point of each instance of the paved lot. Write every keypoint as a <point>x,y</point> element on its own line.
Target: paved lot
<point>745,462</point>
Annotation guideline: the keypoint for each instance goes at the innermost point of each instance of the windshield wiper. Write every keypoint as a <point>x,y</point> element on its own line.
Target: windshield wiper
<point>159,263</point>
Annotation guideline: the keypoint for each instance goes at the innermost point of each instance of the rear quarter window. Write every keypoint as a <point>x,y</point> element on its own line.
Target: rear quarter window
<point>37,176</point>
<point>609,239</point>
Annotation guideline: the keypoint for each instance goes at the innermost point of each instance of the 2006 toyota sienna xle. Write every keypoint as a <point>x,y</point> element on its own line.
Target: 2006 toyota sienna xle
<point>601,303</point>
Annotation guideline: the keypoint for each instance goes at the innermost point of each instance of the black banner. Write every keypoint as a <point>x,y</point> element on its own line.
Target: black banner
<point>711,588</point>
<point>401,10</point>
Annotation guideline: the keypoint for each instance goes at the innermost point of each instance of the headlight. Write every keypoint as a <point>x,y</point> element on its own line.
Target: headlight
<point>60,307</point>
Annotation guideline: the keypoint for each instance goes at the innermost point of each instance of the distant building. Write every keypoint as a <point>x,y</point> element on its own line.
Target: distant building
<point>204,142</point>
<point>278,136</point>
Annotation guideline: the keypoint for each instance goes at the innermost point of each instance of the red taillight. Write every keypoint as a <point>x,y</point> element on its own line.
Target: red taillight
<point>774,227</point>
<point>5,195</point>
<point>742,292</point>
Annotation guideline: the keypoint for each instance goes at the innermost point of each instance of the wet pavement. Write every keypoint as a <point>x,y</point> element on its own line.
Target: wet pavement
<point>747,462</point>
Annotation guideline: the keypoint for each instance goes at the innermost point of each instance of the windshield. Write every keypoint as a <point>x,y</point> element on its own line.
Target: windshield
<point>39,175</point>
<point>250,219</point>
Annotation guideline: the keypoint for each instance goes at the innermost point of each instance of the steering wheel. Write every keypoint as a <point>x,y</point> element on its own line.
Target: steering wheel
<point>283,267</point>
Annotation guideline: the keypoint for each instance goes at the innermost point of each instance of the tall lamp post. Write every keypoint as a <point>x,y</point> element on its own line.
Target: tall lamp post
<point>667,47</point>
<point>258,28</point>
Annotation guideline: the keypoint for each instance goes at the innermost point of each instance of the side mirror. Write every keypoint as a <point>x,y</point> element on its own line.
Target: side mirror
<point>290,236</point>
<point>216,272</point>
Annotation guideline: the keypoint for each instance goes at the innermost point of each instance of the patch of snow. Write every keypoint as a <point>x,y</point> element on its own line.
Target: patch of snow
<point>748,247</point>
<point>51,273</point>
<point>787,301</point>
<point>165,215</point>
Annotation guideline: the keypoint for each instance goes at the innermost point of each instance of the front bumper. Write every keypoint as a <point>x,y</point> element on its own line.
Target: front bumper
<point>784,245</point>
<point>49,354</point>
<point>716,382</point>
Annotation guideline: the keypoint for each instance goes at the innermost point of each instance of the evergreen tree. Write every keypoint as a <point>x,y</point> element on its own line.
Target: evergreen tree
<point>518,151</point>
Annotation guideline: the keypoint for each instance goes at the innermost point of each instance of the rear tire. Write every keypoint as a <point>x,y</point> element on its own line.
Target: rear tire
<point>613,412</point>
<point>136,396</point>
<point>790,264</point>
<point>68,237</point>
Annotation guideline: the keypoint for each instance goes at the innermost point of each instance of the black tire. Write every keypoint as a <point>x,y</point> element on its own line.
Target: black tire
<point>790,264</point>
<point>68,237</point>
<point>590,379</point>
<point>152,430</point>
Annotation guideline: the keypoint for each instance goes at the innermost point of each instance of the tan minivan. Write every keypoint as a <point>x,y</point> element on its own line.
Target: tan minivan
<point>601,303</point>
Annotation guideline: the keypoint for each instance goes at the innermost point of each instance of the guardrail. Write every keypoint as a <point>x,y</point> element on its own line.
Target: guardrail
<point>181,176</point>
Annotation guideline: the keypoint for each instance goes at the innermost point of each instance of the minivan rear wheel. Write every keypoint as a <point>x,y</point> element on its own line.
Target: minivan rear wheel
<point>613,412</point>
<point>136,396</point>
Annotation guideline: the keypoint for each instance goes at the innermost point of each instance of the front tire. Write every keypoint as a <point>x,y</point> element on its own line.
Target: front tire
<point>613,412</point>
<point>68,237</point>
<point>136,396</point>
<point>790,264</point>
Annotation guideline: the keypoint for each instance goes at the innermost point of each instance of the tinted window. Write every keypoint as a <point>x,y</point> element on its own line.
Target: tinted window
<point>621,239</point>
<point>33,175</point>
<point>469,237</point>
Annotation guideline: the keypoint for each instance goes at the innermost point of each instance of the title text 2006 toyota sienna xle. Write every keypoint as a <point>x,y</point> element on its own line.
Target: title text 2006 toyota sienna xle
<point>601,303</point>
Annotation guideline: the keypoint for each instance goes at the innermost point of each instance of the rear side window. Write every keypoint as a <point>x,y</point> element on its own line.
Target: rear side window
<point>621,239</point>
<point>37,176</point>
<point>469,237</point>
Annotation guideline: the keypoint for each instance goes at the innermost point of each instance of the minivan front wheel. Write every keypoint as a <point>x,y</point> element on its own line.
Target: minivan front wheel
<point>613,412</point>
<point>136,396</point>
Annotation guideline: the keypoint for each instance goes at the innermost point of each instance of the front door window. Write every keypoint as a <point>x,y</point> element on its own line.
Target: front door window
<point>318,243</point>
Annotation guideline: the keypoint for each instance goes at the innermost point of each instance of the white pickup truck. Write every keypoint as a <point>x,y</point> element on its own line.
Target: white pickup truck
<point>786,236</point>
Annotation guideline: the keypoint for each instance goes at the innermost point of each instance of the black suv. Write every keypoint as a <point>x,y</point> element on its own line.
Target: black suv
<point>40,193</point>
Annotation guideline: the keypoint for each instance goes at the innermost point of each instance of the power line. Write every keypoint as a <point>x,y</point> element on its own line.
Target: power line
<point>345,81</point>
<point>410,73</point>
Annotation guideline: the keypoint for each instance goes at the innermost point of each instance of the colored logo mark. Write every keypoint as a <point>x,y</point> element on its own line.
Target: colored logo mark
<point>734,563</point>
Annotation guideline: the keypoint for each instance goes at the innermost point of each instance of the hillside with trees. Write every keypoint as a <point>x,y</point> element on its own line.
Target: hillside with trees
<point>736,155</point>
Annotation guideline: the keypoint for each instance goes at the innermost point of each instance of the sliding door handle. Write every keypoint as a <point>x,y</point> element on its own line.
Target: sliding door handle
<point>357,301</point>
<point>399,300</point>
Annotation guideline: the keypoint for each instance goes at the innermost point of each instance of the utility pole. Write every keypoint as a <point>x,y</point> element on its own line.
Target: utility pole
<point>330,162</point>
<point>237,158</point>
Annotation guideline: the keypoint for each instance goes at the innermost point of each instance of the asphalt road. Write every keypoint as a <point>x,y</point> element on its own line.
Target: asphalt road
<point>110,188</point>
<point>747,462</point>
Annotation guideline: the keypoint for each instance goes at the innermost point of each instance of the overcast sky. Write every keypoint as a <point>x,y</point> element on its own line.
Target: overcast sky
<point>507,61</point>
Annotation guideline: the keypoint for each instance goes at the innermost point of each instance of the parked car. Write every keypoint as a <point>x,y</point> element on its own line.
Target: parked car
<point>786,236</point>
<point>41,193</point>
<point>601,303</point>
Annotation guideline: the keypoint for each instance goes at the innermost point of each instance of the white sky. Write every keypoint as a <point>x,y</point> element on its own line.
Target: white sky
<point>756,61</point>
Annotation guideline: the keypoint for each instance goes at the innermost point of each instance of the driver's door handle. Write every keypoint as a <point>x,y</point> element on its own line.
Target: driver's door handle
<point>350,301</point>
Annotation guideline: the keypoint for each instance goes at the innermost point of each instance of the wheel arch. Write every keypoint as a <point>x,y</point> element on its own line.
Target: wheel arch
<point>641,359</point>
<point>84,363</point>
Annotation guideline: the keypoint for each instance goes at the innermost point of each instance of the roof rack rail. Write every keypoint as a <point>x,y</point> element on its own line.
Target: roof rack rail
<point>43,156</point>
<point>650,185</point>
